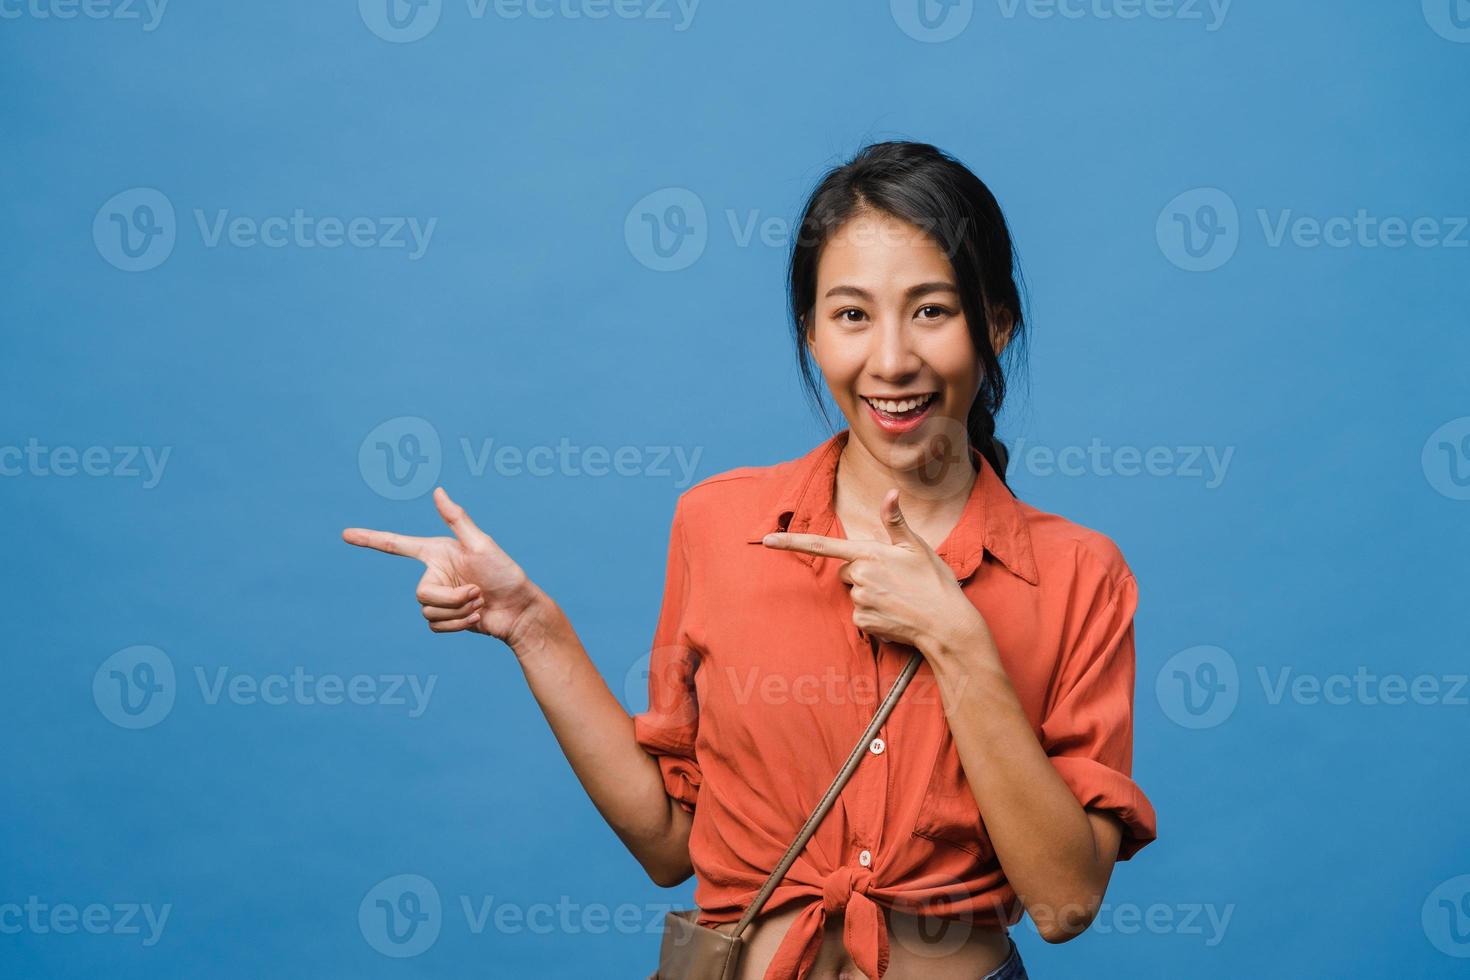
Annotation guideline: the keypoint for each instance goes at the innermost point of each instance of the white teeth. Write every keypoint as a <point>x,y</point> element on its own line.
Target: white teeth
<point>895,408</point>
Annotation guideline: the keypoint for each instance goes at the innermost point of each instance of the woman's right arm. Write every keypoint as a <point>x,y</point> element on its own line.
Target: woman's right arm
<point>470,583</point>
<point>597,737</point>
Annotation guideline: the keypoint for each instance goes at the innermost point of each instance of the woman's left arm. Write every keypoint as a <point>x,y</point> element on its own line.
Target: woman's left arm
<point>1057,854</point>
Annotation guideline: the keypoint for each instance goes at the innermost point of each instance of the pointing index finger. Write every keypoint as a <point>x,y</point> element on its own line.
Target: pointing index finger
<point>818,544</point>
<point>384,541</point>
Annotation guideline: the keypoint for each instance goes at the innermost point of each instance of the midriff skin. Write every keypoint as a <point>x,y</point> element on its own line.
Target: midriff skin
<point>956,950</point>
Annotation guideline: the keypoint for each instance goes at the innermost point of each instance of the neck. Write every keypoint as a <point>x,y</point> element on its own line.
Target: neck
<point>934,481</point>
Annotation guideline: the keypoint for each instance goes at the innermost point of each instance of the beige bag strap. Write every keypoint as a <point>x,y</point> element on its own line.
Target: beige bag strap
<point>830,797</point>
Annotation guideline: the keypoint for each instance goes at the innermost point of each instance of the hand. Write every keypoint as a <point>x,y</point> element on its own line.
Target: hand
<point>902,591</point>
<point>469,583</point>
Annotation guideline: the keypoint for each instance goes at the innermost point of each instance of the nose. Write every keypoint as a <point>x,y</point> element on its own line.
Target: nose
<point>892,357</point>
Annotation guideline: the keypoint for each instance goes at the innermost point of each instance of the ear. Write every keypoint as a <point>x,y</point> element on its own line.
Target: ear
<point>1001,327</point>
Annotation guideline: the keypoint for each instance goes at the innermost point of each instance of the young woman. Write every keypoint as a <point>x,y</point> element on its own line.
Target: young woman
<point>795,593</point>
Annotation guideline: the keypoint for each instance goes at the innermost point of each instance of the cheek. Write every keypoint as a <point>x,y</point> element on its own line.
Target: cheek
<point>955,362</point>
<point>840,363</point>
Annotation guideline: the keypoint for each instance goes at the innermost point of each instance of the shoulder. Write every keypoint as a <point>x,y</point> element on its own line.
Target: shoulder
<point>735,499</point>
<point>1072,554</point>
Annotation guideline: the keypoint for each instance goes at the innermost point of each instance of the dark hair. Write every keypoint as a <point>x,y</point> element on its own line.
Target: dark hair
<point>925,187</point>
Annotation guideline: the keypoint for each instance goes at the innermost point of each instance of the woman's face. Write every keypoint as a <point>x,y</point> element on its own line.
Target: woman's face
<point>891,339</point>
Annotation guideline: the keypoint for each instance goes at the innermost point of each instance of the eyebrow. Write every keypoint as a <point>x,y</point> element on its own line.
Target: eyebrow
<point>910,293</point>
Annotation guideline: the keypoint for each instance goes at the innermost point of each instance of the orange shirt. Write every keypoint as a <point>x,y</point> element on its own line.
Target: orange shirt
<point>760,684</point>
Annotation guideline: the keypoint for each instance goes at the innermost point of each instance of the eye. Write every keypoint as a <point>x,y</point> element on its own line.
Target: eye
<point>850,314</point>
<point>933,311</point>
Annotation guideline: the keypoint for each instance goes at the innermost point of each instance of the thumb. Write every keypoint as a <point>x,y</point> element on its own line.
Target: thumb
<point>898,529</point>
<point>454,515</point>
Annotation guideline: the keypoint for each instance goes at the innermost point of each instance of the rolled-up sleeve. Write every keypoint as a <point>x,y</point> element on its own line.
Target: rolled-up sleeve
<point>668,728</point>
<point>1088,731</point>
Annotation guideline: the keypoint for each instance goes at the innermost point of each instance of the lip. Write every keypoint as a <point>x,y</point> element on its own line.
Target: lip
<point>906,425</point>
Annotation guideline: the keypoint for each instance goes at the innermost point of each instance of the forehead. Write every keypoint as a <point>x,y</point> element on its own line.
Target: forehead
<point>877,247</point>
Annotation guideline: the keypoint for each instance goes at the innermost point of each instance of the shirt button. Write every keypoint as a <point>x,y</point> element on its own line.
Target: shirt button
<point>876,746</point>
<point>865,858</point>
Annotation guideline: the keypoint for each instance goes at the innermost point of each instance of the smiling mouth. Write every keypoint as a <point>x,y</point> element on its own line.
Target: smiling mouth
<point>901,409</point>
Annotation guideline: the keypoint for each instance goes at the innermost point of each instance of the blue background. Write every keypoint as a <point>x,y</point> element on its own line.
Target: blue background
<point>1336,540</point>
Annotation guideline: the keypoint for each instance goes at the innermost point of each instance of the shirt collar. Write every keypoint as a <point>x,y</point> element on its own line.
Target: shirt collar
<point>991,520</point>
